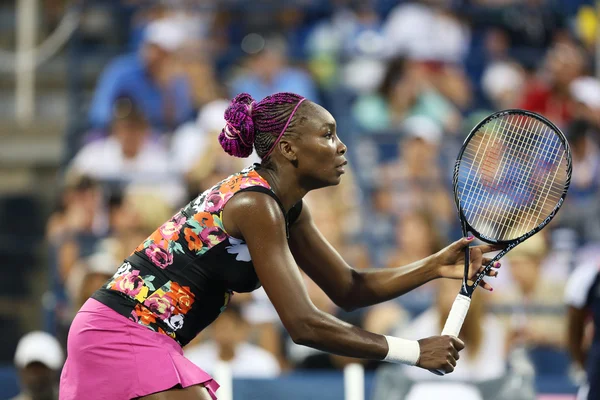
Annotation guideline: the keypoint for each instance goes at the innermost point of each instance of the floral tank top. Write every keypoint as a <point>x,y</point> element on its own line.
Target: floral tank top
<point>183,275</point>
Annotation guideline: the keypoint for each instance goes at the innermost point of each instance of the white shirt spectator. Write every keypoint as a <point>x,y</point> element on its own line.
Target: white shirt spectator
<point>193,140</point>
<point>490,363</point>
<point>420,32</point>
<point>579,285</point>
<point>104,160</point>
<point>250,361</point>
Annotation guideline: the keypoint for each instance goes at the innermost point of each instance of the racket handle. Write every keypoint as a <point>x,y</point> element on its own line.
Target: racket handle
<point>455,320</point>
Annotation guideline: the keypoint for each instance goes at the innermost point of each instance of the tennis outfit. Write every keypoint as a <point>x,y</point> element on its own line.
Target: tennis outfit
<point>583,291</point>
<point>126,341</point>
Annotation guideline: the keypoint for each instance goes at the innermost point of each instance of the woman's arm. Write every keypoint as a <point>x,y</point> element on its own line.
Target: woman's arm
<point>576,323</point>
<point>351,289</point>
<point>258,219</point>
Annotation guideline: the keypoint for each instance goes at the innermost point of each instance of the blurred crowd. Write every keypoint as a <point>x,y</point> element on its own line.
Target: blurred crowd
<point>406,81</point>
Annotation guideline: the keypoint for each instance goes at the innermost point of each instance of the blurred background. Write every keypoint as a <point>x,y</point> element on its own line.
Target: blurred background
<point>109,113</point>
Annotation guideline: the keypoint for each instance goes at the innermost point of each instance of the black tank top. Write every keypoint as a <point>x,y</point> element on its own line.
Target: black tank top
<point>183,275</point>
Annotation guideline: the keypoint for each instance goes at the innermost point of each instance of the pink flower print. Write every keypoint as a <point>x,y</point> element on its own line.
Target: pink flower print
<point>161,306</point>
<point>130,284</point>
<point>171,228</point>
<point>159,256</point>
<point>212,236</point>
<point>217,200</point>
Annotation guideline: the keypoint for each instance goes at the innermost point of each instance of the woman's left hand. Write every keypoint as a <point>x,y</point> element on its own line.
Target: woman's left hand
<point>451,260</point>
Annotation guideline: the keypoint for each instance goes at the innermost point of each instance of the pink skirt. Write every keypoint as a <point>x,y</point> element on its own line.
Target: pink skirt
<point>112,358</point>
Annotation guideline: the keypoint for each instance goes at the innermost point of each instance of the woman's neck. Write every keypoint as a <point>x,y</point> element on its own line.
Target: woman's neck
<point>285,185</point>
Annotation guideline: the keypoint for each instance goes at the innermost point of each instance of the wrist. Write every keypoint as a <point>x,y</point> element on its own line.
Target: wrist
<point>435,267</point>
<point>402,351</point>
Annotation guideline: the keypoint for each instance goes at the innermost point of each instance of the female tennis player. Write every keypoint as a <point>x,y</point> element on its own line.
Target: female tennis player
<point>251,229</point>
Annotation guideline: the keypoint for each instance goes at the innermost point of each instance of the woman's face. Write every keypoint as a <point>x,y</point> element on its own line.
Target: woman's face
<point>319,152</point>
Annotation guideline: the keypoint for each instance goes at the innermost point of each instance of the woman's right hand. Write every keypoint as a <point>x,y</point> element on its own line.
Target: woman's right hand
<point>440,353</point>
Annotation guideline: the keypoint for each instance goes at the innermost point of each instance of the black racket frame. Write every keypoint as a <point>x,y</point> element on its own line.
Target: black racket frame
<point>467,290</point>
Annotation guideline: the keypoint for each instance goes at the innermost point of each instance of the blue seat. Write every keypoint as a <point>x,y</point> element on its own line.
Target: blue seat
<point>548,361</point>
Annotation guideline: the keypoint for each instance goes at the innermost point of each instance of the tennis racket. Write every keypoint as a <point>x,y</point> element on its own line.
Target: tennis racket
<point>510,179</point>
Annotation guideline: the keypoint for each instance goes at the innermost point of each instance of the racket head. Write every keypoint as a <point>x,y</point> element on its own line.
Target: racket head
<point>511,176</point>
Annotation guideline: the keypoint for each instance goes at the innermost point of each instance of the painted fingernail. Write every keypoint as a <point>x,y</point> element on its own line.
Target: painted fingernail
<point>470,237</point>
<point>491,289</point>
<point>497,264</point>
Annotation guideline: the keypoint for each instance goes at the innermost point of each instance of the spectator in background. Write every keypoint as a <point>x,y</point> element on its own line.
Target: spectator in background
<point>379,232</point>
<point>337,216</point>
<point>481,372</point>
<point>149,78</point>
<point>78,211</point>
<point>265,325</point>
<point>128,153</point>
<point>76,227</point>
<point>533,318</point>
<point>529,26</point>
<point>73,231</point>
<point>39,359</point>
<point>196,153</point>
<point>133,216</point>
<point>582,296</point>
<point>484,357</point>
<point>426,30</point>
<point>230,344</point>
<point>88,275</point>
<point>581,210</point>
<point>414,186</point>
<point>585,91</point>
<point>348,47</point>
<point>416,233</point>
<point>502,82</point>
<point>550,95</point>
<point>267,71</point>
<point>408,89</point>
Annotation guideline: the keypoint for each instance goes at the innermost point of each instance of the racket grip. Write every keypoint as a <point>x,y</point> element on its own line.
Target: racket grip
<point>457,315</point>
<point>455,320</point>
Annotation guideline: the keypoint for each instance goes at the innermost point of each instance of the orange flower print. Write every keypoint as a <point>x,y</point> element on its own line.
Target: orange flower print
<point>205,219</point>
<point>143,315</point>
<point>253,180</point>
<point>183,297</point>
<point>155,237</point>
<point>193,241</point>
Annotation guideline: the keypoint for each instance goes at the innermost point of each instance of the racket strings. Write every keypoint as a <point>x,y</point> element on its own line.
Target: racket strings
<point>511,176</point>
<point>521,146</point>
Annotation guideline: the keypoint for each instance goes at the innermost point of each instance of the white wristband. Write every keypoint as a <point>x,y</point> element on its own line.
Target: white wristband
<point>402,351</point>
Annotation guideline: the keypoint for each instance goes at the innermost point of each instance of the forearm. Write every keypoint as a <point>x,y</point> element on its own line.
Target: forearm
<point>329,334</point>
<point>575,334</point>
<point>375,285</point>
<point>575,338</point>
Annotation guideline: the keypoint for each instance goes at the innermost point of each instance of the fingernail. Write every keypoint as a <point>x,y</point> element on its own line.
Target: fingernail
<point>491,289</point>
<point>470,237</point>
<point>497,264</point>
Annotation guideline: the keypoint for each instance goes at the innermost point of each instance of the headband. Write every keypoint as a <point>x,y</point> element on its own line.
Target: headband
<point>284,128</point>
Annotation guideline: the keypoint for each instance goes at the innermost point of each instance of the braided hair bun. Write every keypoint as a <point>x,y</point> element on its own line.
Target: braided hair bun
<point>237,138</point>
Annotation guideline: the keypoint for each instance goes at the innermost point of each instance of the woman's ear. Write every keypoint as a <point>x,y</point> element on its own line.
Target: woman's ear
<point>289,151</point>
